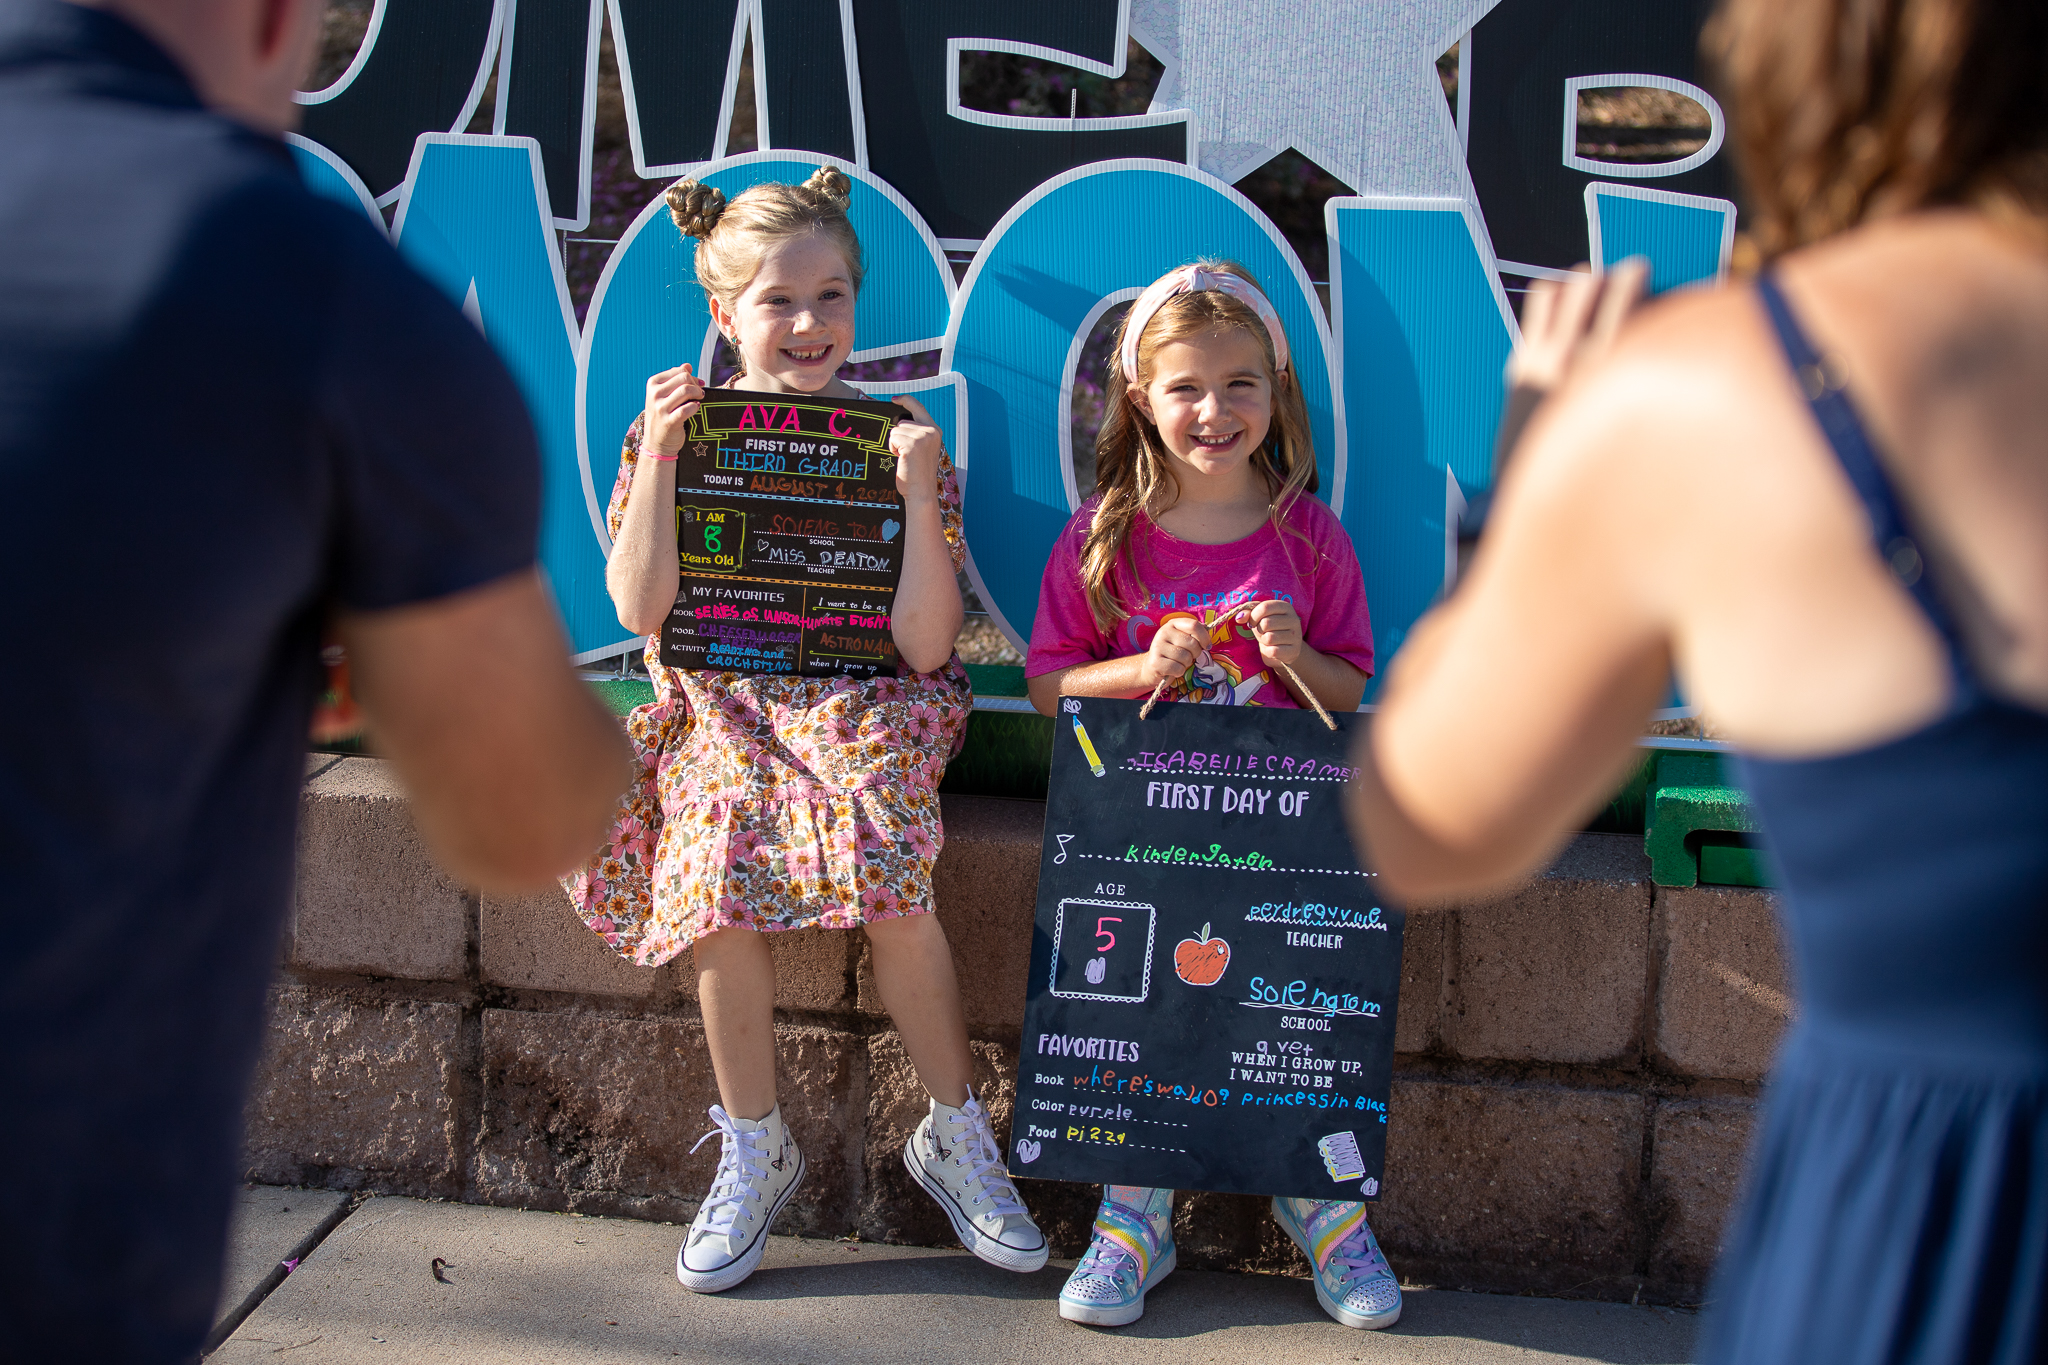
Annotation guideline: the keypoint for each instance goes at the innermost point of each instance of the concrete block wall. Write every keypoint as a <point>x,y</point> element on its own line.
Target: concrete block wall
<point>1575,1080</point>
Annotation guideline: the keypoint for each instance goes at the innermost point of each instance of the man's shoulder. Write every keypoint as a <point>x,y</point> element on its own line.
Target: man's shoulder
<point>154,182</point>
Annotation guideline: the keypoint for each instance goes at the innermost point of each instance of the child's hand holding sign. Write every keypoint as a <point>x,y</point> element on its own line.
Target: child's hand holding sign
<point>672,400</point>
<point>1277,628</point>
<point>1176,647</point>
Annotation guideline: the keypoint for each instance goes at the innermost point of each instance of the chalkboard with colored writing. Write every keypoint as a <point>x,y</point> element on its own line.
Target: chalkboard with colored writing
<point>789,536</point>
<point>1213,975</point>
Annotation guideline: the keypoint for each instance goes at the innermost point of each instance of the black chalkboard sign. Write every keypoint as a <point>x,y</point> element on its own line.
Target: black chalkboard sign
<point>1213,976</point>
<point>789,536</point>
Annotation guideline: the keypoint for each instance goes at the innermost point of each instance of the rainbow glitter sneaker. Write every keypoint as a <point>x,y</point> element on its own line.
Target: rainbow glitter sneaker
<point>1131,1251</point>
<point>1353,1283</point>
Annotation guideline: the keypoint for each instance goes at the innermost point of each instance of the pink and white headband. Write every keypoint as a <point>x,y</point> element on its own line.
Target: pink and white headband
<point>1191,279</point>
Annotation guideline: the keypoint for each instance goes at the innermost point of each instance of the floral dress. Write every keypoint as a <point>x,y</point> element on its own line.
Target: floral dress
<point>771,801</point>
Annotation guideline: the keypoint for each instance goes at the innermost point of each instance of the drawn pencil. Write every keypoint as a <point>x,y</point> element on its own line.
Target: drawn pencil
<point>1088,747</point>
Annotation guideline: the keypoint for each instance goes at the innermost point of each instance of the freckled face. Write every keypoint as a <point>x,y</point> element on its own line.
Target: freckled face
<point>795,321</point>
<point>1211,400</point>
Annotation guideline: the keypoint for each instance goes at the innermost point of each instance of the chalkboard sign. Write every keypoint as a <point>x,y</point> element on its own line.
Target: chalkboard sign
<point>789,536</point>
<point>1213,976</point>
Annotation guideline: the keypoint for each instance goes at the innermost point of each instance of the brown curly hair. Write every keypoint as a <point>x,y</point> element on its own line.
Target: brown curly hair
<point>1845,111</point>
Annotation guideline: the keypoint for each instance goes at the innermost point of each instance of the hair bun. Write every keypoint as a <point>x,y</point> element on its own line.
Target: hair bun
<point>695,206</point>
<point>829,182</point>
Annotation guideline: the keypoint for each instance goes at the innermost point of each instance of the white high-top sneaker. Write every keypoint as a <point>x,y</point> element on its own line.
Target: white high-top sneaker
<point>759,1168</point>
<point>953,1156</point>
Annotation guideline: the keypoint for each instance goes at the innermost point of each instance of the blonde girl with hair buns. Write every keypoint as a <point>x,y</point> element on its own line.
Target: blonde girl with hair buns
<point>768,802</point>
<point>1202,569</point>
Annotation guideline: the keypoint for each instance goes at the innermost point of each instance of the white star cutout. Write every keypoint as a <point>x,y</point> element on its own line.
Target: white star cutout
<point>1350,84</point>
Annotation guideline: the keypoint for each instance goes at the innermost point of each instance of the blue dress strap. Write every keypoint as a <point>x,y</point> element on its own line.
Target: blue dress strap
<point>1890,531</point>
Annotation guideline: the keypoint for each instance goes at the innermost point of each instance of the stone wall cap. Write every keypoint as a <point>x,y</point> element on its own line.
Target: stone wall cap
<point>362,779</point>
<point>1602,858</point>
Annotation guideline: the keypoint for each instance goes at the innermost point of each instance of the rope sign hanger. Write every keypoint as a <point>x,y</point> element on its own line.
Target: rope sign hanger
<point>1145,711</point>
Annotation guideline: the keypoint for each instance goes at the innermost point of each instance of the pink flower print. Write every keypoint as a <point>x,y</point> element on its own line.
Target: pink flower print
<point>841,729</point>
<point>733,909</point>
<point>880,903</point>
<point>890,690</point>
<point>921,842</point>
<point>921,724</point>
<point>603,925</point>
<point>803,864</point>
<point>744,847</point>
<point>873,840</point>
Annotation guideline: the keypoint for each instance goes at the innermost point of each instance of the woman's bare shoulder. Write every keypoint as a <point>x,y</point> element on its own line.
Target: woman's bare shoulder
<point>1706,336</point>
<point>1685,377</point>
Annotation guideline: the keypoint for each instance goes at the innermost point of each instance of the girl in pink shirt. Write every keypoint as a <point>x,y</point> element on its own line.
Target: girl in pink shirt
<point>1200,566</point>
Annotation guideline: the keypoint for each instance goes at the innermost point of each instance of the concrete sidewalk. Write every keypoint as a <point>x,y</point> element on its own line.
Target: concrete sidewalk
<point>541,1287</point>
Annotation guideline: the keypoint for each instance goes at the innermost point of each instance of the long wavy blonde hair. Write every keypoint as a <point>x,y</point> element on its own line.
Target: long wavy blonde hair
<point>1133,472</point>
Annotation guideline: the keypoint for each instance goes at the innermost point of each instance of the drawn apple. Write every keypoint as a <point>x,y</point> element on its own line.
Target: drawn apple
<point>1200,961</point>
<point>1097,969</point>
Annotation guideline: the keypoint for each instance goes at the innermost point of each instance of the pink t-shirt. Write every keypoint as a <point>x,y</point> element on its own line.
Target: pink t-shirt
<point>1318,575</point>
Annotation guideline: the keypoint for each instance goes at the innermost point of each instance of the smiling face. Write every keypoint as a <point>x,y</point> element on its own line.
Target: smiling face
<point>794,322</point>
<point>1212,400</point>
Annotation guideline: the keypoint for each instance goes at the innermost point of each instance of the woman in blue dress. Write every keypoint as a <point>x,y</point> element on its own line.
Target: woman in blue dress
<point>1820,497</point>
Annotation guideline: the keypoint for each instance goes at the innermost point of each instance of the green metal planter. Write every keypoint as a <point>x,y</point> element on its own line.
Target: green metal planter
<point>1700,828</point>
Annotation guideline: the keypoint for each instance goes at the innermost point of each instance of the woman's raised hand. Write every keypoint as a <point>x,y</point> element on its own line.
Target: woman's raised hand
<point>917,445</point>
<point>672,400</point>
<point>1277,628</point>
<point>1174,649</point>
<point>1568,324</point>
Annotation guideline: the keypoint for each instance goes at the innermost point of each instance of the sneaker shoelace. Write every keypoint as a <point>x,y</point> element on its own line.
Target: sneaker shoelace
<point>1359,1259</point>
<point>1107,1259</point>
<point>977,1150</point>
<point>740,1166</point>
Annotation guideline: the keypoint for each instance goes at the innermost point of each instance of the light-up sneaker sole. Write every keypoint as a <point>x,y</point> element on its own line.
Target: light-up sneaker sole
<point>1119,1314</point>
<point>1365,1322</point>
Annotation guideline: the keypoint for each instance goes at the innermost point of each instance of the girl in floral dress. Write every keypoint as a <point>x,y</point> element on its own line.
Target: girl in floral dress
<point>770,802</point>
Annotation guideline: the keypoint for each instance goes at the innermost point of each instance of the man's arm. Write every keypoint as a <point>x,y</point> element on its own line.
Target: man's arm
<point>513,766</point>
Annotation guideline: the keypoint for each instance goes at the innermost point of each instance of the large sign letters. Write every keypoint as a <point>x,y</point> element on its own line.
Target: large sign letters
<point>1066,217</point>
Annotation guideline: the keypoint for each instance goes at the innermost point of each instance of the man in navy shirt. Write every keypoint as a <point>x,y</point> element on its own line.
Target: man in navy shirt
<point>228,414</point>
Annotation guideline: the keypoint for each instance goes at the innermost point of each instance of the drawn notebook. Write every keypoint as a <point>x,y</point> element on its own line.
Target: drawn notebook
<point>789,536</point>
